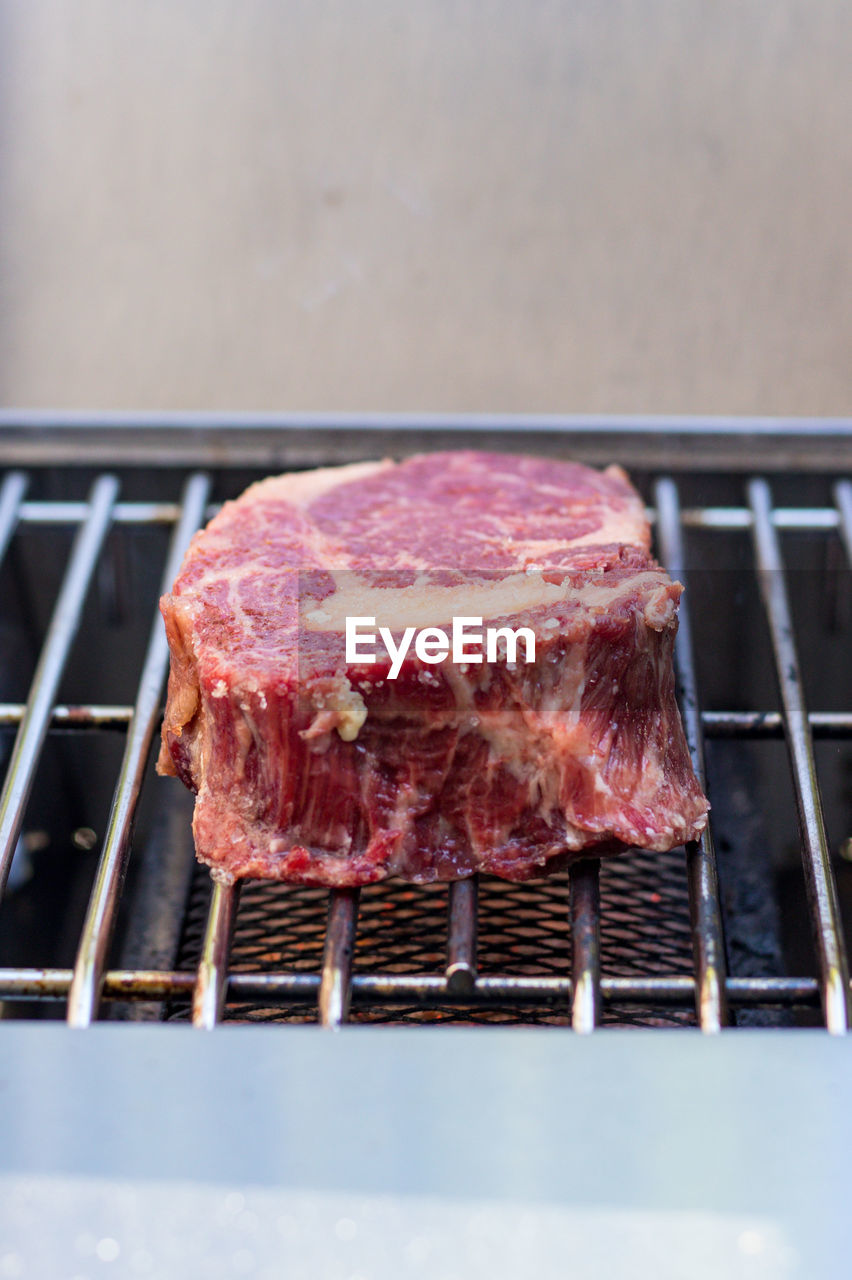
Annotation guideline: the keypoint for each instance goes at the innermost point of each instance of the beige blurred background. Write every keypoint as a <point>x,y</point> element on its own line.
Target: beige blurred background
<point>590,206</point>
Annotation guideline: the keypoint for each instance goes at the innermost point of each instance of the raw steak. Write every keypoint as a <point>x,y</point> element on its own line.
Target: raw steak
<point>317,771</point>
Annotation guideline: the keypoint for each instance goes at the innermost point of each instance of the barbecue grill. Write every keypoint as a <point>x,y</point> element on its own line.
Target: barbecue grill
<point>741,929</point>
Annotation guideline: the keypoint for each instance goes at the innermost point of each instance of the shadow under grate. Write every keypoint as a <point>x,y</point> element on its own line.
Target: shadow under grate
<point>523,930</point>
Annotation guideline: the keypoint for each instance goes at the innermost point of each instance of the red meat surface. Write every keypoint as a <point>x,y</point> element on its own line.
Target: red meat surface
<point>314,770</point>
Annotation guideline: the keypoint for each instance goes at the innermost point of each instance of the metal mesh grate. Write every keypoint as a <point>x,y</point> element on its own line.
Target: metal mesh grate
<point>638,941</point>
<point>524,929</point>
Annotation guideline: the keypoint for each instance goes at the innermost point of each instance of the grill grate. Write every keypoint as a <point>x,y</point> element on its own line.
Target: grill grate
<point>638,940</point>
<point>524,929</point>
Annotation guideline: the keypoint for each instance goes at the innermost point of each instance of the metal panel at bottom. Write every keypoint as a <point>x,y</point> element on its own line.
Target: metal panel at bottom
<point>389,1152</point>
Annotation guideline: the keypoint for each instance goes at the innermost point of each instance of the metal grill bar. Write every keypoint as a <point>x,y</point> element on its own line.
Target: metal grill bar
<point>819,876</point>
<point>148,984</point>
<point>770,724</point>
<point>707,940</point>
<point>461,941</point>
<point>13,489</point>
<point>86,716</point>
<point>211,980</point>
<point>335,985</point>
<point>103,902</point>
<point>585,945</point>
<point>730,519</point>
<point>123,512</point>
<point>54,654</point>
<point>843,498</point>
<point>827,725</point>
<point>721,519</point>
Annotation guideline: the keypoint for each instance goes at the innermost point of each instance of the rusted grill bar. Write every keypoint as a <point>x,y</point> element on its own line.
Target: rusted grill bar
<point>103,903</point>
<point>54,655</point>
<point>707,940</point>
<point>286,988</point>
<point>819,876</point>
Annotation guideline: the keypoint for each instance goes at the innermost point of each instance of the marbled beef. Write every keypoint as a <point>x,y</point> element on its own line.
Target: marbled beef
<point>317,771</point>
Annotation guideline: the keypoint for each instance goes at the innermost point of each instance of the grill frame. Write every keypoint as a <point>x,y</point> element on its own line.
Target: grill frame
<point>757,447</point>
